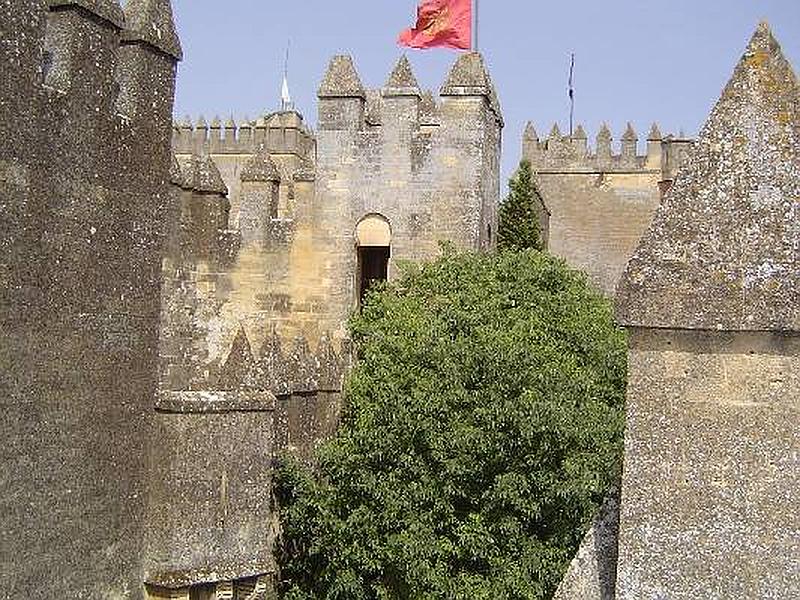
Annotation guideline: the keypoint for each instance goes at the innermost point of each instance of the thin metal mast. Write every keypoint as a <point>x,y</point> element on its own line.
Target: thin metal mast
<point>475,21</point>
<point>571,94</point>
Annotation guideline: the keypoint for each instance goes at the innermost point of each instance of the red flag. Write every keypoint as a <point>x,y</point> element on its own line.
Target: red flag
<point>445,23</point>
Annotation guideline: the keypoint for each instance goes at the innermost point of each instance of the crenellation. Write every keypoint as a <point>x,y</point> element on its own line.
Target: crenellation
<point>280,133</point>
<point>654,148</point>
<point>214,142</point>
<point>245,135</point>
<point>341,97</point>
<point>572,154</point>
<point>200,134</point>
<point>629,141</point>
<point>604,153</point>
<point>601,198</point>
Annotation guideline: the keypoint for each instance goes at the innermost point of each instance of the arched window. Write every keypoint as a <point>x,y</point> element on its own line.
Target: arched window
<point>373,244</point>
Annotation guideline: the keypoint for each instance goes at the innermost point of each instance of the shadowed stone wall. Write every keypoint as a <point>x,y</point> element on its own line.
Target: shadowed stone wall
<point>85,106</point>
<point>711,479</point>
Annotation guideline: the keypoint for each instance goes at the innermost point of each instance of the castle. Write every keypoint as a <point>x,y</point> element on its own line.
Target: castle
<point>174,303</point>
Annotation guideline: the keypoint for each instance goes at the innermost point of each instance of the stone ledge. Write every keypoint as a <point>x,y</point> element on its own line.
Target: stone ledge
<point>205,402</point>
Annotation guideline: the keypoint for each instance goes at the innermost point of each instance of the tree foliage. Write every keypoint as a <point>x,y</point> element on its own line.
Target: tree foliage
<point>519,226</point>
<point>482,426</point>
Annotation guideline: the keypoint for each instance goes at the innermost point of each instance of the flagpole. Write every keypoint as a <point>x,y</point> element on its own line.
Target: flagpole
<point>571,93</point>
<point>475,9</point>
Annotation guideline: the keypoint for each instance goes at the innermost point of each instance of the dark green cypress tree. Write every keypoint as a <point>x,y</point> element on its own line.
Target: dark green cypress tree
<point>519,227</point>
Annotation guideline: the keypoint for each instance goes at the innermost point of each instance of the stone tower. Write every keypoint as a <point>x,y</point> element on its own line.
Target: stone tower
<point>86,96</point>
<point>601,199</point>
<point>711,480</point>
<point>315,217</point>
<point>276,234</point>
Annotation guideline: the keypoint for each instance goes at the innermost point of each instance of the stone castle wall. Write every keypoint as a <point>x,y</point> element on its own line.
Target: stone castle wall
<point>85,105</point>
<point>282,255</point>
<point>601,201</point>
<point>260,275</point>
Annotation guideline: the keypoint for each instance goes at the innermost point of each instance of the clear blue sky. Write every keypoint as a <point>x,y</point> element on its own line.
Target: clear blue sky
<point>637,60</point>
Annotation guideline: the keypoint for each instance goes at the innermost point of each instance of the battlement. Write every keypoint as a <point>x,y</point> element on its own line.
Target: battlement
<point>558,153</point>
<point>410,155</point>
<point>282,132</point>
<point>94,56</point>
<point>296,370</point>
<point>346,104</point>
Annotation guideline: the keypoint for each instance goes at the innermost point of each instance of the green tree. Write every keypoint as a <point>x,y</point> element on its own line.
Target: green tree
<point>481,429</point>
<point>519,226</point>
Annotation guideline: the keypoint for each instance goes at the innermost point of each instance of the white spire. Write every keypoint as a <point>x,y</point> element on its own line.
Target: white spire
<point>286,97</point>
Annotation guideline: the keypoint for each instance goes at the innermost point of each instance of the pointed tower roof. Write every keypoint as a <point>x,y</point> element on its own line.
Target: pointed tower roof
<point>341,80</point>
<point>206,176</point>
<point>201,122</point>
<point>580,133</point>
<point>655,134</point>
<point>555,132</point>
<point>230,123</point>
<point>402,81</point>
<point>467,77</point>
<point>260,167</point>
<point>151,21</point>
<point>108,10</point>
<point>722,250</point>
<point>604,135</point>
<point>530,132</point>
<point>216,123</point>
<point>239,365</point>
<point>630,134</point>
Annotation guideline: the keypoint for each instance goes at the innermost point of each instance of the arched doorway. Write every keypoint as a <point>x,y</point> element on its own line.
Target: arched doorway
<point>373,244</point>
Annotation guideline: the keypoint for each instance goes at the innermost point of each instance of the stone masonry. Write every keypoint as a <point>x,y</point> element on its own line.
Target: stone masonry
<point>601,201</point>
<point>261,271</point>
<point>171,326</point>
<point>711,480</point>
<point>86,95</point>
<point>428,168</point>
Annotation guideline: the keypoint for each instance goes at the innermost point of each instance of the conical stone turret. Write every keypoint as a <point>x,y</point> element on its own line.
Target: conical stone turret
<point>530,132</point>
<point>711,474</point>
<point>469,77</point>
<point>260,167</point>
<point>341,80</point>
<point>402,81</point>
<point>722,250</point>
<point>207,178</point>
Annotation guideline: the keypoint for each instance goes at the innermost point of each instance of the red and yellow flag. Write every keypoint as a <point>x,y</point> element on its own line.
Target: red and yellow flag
<point>441,23</point>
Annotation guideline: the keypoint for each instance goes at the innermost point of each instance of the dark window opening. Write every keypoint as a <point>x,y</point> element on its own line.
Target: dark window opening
<point>373,267</point>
